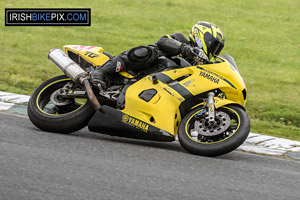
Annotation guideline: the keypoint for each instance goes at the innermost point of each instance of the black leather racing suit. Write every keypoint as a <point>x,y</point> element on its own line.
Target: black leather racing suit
<point>143,57</point>
<point>140,59</point>
<point>170,45</point>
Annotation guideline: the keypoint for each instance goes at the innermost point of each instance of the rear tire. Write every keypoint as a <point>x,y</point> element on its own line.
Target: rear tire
<point>234,134</point>
<point>67,120</point>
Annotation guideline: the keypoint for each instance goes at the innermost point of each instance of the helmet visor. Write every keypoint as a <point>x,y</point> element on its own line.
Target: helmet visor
<point>214,45</point>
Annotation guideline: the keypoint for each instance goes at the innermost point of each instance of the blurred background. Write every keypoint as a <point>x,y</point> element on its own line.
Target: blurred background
<point>262,36</point>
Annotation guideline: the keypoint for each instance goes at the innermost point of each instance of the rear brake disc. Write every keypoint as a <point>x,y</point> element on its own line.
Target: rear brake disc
<point>57,100</point>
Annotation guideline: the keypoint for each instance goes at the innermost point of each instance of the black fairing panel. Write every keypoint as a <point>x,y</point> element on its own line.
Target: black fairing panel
<point>116,123</point>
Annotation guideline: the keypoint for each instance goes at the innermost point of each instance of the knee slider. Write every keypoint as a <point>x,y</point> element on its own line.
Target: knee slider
<point>141,53</point>
<point>140,58</point>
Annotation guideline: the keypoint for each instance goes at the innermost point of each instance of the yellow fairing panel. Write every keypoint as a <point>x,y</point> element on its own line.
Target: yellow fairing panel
<point>126,74</point>
<point>93,55</point>
<point>232,82</point>
<point>175,86</point>
<point>162,111</point>
<point>199,79</point>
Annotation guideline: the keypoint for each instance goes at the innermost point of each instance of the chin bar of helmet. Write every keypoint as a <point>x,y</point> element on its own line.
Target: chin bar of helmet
<point>75,72</point>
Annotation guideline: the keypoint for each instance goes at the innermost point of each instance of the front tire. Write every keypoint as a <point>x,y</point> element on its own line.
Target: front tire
<point>198,137</point>
<point>59,119</point>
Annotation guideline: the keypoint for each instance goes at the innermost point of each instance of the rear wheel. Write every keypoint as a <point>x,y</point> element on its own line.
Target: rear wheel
<point>49,112</point>
<point>230,129</point>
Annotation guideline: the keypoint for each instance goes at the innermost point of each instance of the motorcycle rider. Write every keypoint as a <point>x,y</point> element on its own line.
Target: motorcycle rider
<point>205,40</point>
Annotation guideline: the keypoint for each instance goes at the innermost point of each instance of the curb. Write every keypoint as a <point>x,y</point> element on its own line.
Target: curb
<point>269,145</point>
<point>8,100</point>
<point>255,143</point>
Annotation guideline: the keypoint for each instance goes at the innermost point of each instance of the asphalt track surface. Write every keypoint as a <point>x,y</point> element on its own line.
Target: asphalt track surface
<point>40,165</point>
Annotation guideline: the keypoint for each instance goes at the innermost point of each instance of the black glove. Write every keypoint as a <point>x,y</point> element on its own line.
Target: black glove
<point>186,49</point>
<point>201,56</point>
<point>194,53</point>
<point>98,77</point>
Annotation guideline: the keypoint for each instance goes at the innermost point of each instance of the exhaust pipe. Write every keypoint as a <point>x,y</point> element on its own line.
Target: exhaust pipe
<point>68,66</point>
<point>75,72</point>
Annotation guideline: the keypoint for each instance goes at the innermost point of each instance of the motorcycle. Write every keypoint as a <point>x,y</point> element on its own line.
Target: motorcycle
<point>202,104</point>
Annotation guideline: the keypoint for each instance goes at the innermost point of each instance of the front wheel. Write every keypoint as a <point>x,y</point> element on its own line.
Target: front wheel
<point>229,130</point>
<point>68,115</point>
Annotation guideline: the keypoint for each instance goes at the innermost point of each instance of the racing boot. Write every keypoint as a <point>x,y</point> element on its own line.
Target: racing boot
<point>100,76</point>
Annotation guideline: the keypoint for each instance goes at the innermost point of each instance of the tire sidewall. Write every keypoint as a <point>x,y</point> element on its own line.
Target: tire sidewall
<point>65,123</point>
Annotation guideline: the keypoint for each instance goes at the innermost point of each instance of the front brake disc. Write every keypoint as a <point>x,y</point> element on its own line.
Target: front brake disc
<point>206,128</point>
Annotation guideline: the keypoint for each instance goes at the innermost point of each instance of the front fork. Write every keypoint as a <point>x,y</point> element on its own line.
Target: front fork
<point>211,107</point>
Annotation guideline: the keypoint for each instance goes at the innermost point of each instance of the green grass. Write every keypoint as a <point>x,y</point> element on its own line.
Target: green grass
<point>262,36</point>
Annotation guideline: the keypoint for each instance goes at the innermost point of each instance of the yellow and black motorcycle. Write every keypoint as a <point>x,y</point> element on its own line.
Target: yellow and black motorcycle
<point>202,104</point>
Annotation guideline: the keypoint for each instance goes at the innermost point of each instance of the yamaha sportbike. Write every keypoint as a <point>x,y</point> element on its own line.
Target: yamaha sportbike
<point>202,104</point>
